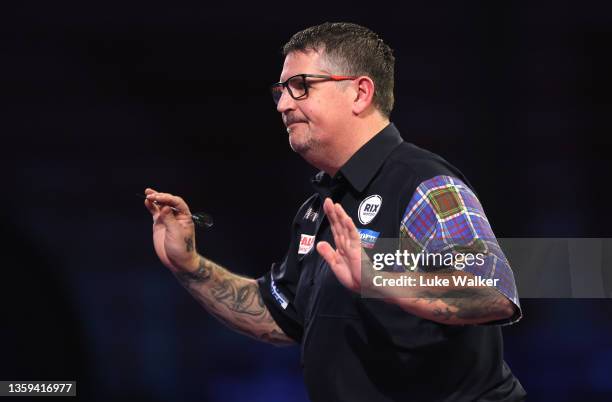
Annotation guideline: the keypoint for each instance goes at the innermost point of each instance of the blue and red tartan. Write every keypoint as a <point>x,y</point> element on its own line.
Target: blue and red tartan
<point>445,216</point>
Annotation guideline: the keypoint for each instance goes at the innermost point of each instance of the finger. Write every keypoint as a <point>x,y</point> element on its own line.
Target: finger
<point>327,252</point>
<point>171,200</point>
<point>340,270</point>
<point>149,190</point>
<point>340,228</point>
<point>167,215</point>
<point>328,207</point>
<point>153,209</point>
<point>351,233</point>
<point>348,227</point>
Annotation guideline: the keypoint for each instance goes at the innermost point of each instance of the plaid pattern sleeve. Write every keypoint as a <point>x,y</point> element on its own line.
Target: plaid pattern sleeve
<point>444,216</point>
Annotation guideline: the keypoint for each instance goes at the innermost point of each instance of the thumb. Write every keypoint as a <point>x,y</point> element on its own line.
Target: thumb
<point>341,270</point>
<point>153,209</point>
<point>327,252</point>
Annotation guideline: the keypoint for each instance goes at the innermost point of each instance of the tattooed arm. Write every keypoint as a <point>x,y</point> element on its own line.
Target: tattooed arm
<point>451,305</point>
<point>468,306</point>
<point>232,299</point>
<point>445,304</point>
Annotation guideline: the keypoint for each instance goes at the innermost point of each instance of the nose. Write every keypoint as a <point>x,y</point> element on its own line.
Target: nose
<point>285,103</point>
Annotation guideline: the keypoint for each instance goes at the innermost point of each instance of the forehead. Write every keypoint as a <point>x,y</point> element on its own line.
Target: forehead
<point>301,63</point>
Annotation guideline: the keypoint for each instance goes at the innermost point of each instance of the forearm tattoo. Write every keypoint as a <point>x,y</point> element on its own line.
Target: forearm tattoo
<point>469,305</point>
<point>234,300</point>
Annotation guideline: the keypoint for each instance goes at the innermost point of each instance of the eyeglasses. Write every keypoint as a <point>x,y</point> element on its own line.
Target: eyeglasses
<point>297,86</point>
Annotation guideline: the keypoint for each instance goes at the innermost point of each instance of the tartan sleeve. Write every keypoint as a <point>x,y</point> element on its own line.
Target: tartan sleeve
<point>444,216</point>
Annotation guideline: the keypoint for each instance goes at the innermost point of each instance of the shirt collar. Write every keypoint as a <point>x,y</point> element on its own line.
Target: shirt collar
<point>360,169</point>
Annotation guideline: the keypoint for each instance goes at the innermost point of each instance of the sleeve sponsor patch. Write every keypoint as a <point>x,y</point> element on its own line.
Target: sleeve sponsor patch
<point>368,237</point>
<point>278,296</point>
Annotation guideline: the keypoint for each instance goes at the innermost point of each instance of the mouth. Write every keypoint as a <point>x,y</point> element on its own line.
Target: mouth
<point>291,119</point>
<point>291,125</point>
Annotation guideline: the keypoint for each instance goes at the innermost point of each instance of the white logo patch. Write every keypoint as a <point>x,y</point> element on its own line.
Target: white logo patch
<point>369,208</point>
<point>306,243</point>
<point>311,215</point>
<point>280,298</point>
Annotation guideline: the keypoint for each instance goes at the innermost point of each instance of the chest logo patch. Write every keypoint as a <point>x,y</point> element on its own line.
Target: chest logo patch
<point>369,208</point>
<point>306,243</point>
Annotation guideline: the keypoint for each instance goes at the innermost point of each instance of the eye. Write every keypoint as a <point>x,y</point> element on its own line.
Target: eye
<point>297,83</point>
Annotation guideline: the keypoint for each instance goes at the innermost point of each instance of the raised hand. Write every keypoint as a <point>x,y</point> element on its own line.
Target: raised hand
<point>173,231</point>
<point>345,260</point>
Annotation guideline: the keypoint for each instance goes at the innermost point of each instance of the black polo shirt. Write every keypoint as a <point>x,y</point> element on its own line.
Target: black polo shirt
<point>357,349</point>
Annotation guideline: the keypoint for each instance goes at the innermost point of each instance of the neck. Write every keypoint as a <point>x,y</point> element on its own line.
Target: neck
<point>345,145</point>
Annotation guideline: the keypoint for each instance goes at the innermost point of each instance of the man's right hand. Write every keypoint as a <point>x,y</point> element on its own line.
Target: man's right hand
<point>173,232</point>
<point>235,300</point>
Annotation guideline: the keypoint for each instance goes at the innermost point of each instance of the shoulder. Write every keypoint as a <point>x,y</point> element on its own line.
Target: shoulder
<point>422,164</point>
<point>408,166</point>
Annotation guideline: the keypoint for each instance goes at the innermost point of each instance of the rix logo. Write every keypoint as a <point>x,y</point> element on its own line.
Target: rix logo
<point>373,208</point>
<point>369,208</point>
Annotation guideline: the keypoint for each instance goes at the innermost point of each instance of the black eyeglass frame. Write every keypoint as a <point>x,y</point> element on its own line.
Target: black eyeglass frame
<point>285,84</point>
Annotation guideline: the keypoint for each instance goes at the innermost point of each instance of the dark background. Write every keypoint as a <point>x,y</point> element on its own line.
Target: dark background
<point>102,100</point>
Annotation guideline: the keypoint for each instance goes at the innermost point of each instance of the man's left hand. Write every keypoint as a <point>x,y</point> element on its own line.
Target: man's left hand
<point>346,259</point>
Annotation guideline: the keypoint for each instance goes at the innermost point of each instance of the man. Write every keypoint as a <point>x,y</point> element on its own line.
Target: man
<point>335,96</point>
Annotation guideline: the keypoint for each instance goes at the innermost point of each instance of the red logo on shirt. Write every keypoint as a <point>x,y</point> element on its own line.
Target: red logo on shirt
<point>306,243</point>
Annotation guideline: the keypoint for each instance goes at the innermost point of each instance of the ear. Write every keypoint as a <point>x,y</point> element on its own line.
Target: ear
<point>364,95</point>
